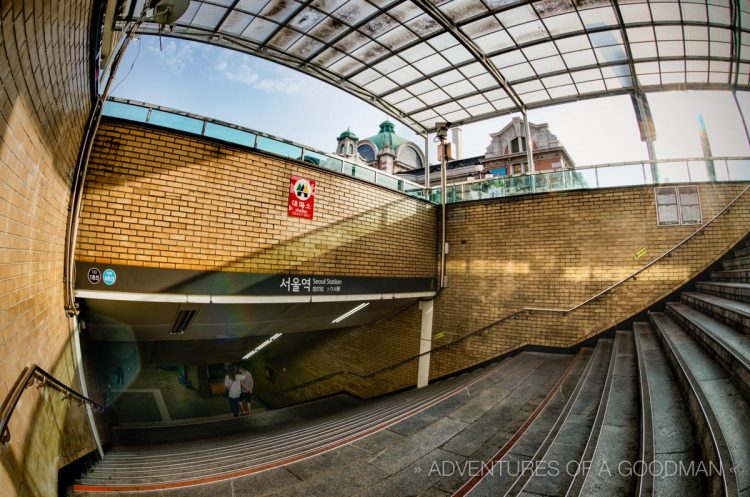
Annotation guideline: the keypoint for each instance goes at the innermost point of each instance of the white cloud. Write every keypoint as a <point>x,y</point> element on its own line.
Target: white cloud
<point>173,55</point>
<point>244,70</point>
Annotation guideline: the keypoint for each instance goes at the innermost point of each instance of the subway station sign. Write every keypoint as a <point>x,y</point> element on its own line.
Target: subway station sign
<point>301,201</point>
<point>119,278</point>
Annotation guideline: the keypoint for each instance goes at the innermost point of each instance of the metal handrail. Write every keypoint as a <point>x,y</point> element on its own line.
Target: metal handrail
<point>601,166</point>
<point>530,310</point>
<point>26,379</point>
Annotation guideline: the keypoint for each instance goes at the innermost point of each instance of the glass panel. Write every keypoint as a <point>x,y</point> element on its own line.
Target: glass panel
<point>722,170</point>
<point>585,178</point>
<point>229,134</point>
<point>542,183</point>
<point>322,160</point>
<point>739,170</point>
<point>673,172</point>
<point>279,148</point>
<point>518,185</point>
<point>176,121</point>
<point>389,181</point>
<point>125,111</point>
<point>631,174</point>
<point>359,172</point>
<point>699,170</point>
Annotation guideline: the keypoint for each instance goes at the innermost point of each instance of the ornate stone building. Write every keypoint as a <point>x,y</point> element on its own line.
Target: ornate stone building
<point>505,156</point>
<point>385,151</point>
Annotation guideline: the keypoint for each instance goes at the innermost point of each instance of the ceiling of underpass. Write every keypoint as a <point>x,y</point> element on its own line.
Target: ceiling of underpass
<point>129,321</point>
<point>426,61</point>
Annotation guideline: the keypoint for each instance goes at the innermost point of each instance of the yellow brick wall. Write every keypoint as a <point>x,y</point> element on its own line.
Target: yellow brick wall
<point>160,199</point>
<point>44,103</point>
<point>551,251</point>
<point>557,250</point>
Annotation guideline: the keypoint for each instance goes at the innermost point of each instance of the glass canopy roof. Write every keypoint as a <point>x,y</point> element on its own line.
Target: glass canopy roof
<point>425,61</point>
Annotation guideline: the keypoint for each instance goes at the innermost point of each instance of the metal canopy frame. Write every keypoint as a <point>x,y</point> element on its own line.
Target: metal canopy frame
<point>460,61</point>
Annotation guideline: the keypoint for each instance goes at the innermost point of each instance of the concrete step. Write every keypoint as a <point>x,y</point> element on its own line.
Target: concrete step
<point>510,465</point>
<point>734,276</point>
<point>196,460</point>
<point>618,437</point>
<point>744,251</point>
<point>717,407</point>
<point>733,313</point>
<point>580,428</point>
<point>738,263</point>
<point>733,291</point>
<point>666,429</point>
<point>727,345</point>
<point>199,450</point>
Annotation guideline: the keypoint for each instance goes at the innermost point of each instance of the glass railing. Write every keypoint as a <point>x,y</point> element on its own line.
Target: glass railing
<point>668,171</point>
<point>230,133</point>
<point>689,170</point>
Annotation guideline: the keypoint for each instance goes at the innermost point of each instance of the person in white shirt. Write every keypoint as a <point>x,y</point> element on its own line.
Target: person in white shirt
<point>233,383</point>
<point>247,389</point>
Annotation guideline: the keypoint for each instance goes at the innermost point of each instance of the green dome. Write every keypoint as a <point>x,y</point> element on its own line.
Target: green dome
<point>347,134</point>
<point>387,136</point>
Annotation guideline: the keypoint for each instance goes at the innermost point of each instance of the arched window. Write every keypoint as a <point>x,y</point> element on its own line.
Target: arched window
<point>411,158</point>
<point>518,145</point>
<point>366,152</point>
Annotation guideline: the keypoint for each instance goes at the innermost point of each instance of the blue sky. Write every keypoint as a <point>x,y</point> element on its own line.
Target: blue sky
<point>252,92</point>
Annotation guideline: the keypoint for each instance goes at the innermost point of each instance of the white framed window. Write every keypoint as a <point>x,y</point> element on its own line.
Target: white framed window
<point>677,205</point>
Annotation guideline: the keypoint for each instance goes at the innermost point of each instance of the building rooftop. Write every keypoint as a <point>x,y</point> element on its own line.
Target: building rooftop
<point>387,136</point>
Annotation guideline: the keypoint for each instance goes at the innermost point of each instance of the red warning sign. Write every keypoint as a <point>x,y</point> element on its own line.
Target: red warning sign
<point>301,197</point>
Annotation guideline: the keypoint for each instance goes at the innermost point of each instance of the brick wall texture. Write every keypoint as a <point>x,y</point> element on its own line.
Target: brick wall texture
<point>44,102</point>
<point>159,199</point>
<point>550,251</point>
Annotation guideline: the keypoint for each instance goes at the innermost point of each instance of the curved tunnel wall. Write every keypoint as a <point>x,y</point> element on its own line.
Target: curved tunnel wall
<point>45,97</point>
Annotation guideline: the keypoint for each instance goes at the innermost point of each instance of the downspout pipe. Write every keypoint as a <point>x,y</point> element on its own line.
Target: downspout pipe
<point>79,178</point>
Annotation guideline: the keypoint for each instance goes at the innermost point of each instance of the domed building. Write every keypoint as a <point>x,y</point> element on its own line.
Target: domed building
<point>385,151</point>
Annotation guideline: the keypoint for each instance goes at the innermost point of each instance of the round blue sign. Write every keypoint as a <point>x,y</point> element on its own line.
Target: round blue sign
<point>109,277</point>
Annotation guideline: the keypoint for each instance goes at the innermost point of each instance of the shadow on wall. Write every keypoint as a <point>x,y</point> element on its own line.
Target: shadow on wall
<point>562,276</point>
<point>209,213</point>
<point>44,112</point>
<point>478,297</point>
<point>358,351</point>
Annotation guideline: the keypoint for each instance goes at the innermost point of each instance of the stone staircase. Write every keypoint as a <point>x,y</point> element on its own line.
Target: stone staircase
<point>659,410</point>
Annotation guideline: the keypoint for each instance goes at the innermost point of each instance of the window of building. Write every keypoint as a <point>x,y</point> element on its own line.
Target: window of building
<point>678,205</point>
<point>411,158</point>
<point>518,144</point>
<point>366,152</point>
<point>690,205</point>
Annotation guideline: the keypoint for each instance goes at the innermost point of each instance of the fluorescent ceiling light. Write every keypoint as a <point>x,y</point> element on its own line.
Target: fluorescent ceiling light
<point>349,313</point>
<point>261,346</point>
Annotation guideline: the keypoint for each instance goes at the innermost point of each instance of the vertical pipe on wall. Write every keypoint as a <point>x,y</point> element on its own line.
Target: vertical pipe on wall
<point>425,343</point>
<point>79,179</point>
<point>427,160</point>
<point>84,386</point>
<point>443,200</point>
